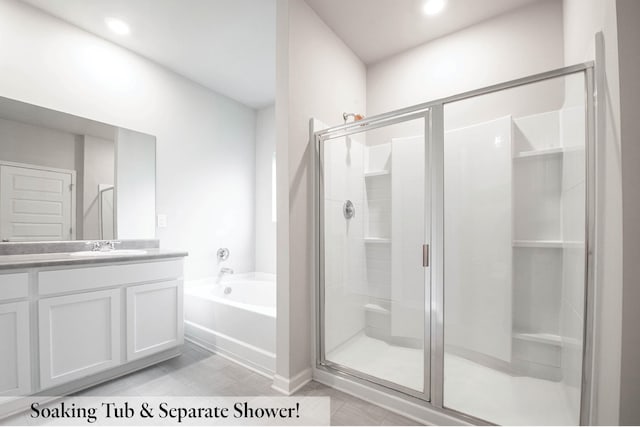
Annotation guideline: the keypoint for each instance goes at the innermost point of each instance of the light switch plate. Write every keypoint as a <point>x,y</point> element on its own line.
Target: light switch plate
<point>162,221</point>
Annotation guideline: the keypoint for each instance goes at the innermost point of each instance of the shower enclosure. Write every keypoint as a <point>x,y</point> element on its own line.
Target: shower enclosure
<point>453,243</point>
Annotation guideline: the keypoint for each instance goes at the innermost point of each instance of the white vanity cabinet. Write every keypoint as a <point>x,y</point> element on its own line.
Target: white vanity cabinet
<point>15,357</point>
<point>98,317</point>
<point>64,327</point>
<point>79,335</point>
<point>154,318</point>
<point>15,361</point>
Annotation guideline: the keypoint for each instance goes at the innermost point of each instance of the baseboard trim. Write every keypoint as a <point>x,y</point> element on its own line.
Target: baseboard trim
<point>290,386</point>
<point>256,359</point>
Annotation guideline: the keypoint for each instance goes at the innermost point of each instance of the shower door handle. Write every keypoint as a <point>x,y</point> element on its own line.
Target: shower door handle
<point>425,255</point>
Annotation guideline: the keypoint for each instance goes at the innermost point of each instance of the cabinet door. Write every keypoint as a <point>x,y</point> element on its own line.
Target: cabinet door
<point>15,358</point>
<point>79,335</point>
<point>154,318</point>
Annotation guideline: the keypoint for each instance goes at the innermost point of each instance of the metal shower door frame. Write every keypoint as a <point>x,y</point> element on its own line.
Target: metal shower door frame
<point>322,361</point>
<point>434,187</point>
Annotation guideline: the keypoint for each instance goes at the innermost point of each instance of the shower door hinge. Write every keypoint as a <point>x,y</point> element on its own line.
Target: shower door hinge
<point>425,255</point>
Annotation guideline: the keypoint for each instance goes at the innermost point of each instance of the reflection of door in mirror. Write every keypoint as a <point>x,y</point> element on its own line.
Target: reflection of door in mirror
<point>105,207</point>
<point>38,139</point>
<point>36,203</point>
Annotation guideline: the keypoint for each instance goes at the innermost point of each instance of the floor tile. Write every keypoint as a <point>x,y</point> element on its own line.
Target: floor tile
<point>393,419</point>
<point>198,372</point>
<point>350,414</point>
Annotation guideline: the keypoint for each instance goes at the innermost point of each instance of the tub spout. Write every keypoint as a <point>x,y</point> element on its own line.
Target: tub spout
<point>225,270</point>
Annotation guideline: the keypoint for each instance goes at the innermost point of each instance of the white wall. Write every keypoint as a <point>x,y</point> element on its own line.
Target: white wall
<point>205,142</point>
<point>98,168</point>
<point>37,145</point>
<point>628,15</point>
<point>318,76</point>
<point>265,226</point>
<point>582,19</point>
<point>507,47</point>
<point>135,192</point>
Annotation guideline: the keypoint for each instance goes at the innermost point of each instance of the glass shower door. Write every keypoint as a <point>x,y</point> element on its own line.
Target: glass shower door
<point>374,292</point>
<point>514,253</point>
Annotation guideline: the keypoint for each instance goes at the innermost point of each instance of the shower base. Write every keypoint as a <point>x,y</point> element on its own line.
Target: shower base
<point>469,387</point>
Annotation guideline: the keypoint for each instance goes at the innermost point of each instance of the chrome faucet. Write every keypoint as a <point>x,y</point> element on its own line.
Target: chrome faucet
<point>103,245</point>
<point>223,271</point>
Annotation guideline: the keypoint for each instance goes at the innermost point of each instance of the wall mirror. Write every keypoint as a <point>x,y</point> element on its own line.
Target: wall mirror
<point>64,177</point>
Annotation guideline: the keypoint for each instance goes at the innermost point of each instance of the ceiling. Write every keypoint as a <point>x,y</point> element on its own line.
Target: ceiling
<point>377,29</point>
<point>227,46</point>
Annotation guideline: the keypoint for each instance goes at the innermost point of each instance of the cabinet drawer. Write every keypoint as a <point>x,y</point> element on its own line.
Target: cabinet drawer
<point>15,285</point>
<point>80,279</point>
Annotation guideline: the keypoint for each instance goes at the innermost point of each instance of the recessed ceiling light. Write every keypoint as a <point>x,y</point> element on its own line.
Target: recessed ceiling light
<point>432,7</point>
<point>118,26</point>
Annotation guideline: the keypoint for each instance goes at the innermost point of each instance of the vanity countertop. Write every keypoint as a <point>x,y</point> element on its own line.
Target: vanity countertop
<point>8,262</point>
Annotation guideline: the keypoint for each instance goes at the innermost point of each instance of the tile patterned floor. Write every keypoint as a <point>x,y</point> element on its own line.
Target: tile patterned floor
<point>198,372</point>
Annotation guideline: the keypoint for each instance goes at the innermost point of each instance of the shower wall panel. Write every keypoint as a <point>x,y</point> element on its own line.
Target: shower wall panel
<point>478,252</point>
<point>407,237</point>
<point>345,286</point>
<point>573,220</point>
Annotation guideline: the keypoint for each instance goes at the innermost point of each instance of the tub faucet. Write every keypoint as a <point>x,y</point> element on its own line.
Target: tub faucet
<point>226,270</point>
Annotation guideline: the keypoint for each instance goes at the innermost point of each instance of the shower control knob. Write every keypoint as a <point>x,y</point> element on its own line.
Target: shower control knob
<point>223,254</point>
<point>348,209</point>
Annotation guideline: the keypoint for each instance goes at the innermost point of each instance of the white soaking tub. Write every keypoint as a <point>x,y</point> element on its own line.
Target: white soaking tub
<point>235,317</point>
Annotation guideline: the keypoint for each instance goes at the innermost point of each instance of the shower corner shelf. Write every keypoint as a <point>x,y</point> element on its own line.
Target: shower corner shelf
<point>376,173</point>
<point>538,153</point>
<point>537,244</point>
<point>547,244</point>
<point>377,240</point>
<point>543,338</point>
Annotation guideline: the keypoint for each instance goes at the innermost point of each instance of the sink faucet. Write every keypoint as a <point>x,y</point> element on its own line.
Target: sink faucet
<point>103,245</point>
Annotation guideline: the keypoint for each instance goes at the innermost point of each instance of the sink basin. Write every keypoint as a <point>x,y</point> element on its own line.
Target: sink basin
<point>114,252</point>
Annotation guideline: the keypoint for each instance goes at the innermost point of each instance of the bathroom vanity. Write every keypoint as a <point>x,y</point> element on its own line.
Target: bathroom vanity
<point>78,308</point>
<point>71,320</point>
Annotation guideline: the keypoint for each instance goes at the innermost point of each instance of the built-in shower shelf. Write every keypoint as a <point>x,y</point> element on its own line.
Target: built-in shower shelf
<point>536,153</point>
<point>537,243</point>
<point>377,240</point>
<point>542,338</point>
<point>375,308</point>
<point>547,244</point>
<point>376,173</point>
